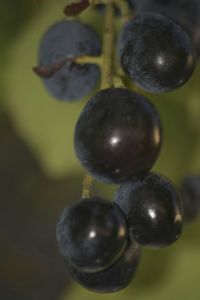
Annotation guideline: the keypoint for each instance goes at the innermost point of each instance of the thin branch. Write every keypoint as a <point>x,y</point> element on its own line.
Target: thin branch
<point>49,71</point>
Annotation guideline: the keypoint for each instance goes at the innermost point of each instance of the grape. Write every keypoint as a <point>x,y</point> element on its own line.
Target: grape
<point>136,4</point>
<point>156,52</point>
<point>92,234</point>
<point>185,12</point>
<point>70,38</point>
<point>190,192</point>
<point>118,135</point>
<point>153,210</point>
<point>113,279</point>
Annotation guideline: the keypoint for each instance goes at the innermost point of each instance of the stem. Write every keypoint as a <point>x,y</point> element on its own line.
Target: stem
<point>106,63</point>
<point>86,59</point>
<point>87,183</point>
<point>49,71</point>
<point>125,9</point>
<point>118,78</point>
<point>108,48</point>
<point>118,81</point>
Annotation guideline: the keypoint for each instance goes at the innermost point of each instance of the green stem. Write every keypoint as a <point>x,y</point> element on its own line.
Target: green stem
<point>105,61</point>
<point>118,81</point>
<point>108,48</point>
<point>87,183</point>
<point>86,59</point>
<point>126,13</point>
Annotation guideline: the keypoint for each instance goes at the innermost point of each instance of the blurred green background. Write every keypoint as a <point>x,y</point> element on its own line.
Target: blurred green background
<point>39,172</point>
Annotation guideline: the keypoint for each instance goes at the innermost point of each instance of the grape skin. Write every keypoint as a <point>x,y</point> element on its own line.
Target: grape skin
<point>156,53</point>
<point>118,135</point>
<point>92,234</point>
<point>116,277</point>
<point>153,210</point>
<point>186,13</point>
<point>70,38</point>
<point>136,4</point>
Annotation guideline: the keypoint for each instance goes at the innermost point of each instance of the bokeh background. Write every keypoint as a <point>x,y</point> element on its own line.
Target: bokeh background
<point>39,173</point>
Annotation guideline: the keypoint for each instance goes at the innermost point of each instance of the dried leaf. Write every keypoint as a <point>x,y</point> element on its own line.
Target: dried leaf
<point>49,71</point>
<point>74,9</point>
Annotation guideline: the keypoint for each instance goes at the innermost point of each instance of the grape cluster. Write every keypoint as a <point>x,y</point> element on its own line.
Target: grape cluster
<point>118,135</point>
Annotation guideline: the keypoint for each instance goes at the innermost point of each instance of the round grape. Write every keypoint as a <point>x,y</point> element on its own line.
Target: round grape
<point>92,234</point>
<point>118,135</point>
<point>70,38</point>
<point>116,277</point>
<point>153,210</point>
<point>156,53</point>
<point>186,13</point>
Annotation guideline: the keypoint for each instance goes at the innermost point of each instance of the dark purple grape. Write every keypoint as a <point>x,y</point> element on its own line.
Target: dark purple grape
<point>156,53</point>
<point>190,192</point>
<point>92,234</point>
<point>118,135</point>
<point>153,210</point>
<point>185,12</point>
<point>70,38</point>
<point>116,277</point>
<point>136,4</point>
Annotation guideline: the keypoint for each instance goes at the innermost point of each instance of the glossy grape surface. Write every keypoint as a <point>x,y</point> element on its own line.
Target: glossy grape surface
<point>190,195</point>
<point>153,210</point>
<point>92,234</point>
<point>70,38</point>
<point>118,135</point>
<point>116,277</point>
<point>186,13</point>
<point>156,53</point>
